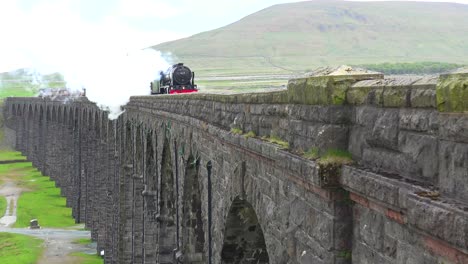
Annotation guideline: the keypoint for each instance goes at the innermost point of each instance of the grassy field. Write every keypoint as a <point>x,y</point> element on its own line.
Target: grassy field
<point>11,155</point>
<point>87,258</point>
<point>19,249</point>
<point>41,200</point>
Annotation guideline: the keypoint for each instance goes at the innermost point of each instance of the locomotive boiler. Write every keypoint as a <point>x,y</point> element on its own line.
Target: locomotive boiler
<point>177,79</point>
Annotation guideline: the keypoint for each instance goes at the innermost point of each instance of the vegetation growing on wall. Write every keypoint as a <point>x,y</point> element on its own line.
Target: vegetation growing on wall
<point>276,140</point>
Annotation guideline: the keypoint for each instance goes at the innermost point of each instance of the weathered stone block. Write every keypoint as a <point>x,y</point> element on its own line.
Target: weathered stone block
<point>421,152</point>
<point>453,173</point>
<point>395,96</point>
<point>439,220</point>
<point>453,127</point>
<point>359,95</point>
<point>423,97</point>
<point>385,130</point>
<point>419,120</point>
<point>452,92</point>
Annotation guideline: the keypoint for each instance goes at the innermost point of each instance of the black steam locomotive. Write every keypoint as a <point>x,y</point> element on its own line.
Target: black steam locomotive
<point>177,79</point>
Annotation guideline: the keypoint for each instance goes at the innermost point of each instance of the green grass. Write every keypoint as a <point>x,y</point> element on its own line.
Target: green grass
<point>276,140</point>
<point>88,259</point>
<point>19,249</point>
<point>12,171</point>
<point>312,153</point>
<point>11,155</point>
<point>3,205</point>
<point>336,156</point>
<point>236,131</point>
<point>250,134</point>
<point>43,202</point>
<point>83,241</point>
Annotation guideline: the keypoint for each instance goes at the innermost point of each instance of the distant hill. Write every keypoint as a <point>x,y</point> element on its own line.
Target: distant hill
<point>294,37</point>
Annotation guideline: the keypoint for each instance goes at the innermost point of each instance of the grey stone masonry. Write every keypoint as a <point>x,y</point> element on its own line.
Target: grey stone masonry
<point>345,166</point>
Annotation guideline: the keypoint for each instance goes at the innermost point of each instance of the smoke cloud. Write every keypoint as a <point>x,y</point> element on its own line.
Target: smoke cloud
<point>106,56</point>
<point>111,80</point>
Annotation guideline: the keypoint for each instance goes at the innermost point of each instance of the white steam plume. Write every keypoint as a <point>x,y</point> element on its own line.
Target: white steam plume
<point>106,56</point>
<point>110,81</point>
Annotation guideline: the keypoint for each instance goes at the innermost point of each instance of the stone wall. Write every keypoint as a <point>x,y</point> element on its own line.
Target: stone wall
<point>182,178</point>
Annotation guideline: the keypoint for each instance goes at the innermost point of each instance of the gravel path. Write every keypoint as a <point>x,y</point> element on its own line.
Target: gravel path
<point>58,243</point>
<point>11,193</point>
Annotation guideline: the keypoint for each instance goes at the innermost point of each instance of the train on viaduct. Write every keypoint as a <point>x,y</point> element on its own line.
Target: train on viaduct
<point>198,178</point>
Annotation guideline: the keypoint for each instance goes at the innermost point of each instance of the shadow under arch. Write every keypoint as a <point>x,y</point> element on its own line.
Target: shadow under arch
<point>243,236</point>
<point>167,208</point>
<point>193,235</point>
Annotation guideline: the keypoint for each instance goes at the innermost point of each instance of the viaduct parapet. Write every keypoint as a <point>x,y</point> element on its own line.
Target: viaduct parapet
<point>265,178</point>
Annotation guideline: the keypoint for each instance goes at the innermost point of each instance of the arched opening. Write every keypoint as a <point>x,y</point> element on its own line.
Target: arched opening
<point>243,236</point>
<point>150,200</point>
<point>167,211</point>
<point>193,236</point>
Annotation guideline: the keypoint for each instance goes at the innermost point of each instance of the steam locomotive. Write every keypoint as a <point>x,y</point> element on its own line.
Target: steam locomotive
<point>177,79</point>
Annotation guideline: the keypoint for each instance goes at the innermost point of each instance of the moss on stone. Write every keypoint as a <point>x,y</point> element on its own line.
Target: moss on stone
<point>336,156</point>
<point>358,95</point>
<point>250,134</point>
<point>236,131</point>
<point>452,93</point>
<point>276,140</point>
<point>330,164</point>
<point>378,96</point>
<point>395,96</point>
<point>312,153</point>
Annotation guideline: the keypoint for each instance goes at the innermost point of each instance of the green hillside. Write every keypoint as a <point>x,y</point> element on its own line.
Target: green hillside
<point>291,38</point>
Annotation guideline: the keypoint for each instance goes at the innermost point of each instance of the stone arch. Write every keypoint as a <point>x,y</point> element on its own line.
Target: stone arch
<point>30,112</point>
<point>48,113</point>
<point>36,111</point>
<point>14,109</point>
<point>61,113</point>
<point>243,236</point>
<point>70,116</point>
<point>23,110</point>
<point>84,117</point>
<point>11,109</point>
<point>193,235</point>
<point>54,114</point>
<point>167,207</point>
<point>151,179</point>
<point>97,124</point>
<point>90,119</point>
<point>104,124</point>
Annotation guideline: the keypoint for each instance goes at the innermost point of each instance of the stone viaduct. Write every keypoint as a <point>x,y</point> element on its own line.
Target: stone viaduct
<point>266,177</point>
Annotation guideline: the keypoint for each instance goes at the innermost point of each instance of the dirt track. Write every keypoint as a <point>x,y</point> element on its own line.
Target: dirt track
<point>58,243</point>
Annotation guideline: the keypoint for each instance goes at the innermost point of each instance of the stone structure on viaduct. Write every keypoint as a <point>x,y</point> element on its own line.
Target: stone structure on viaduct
<point>180,179</point>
